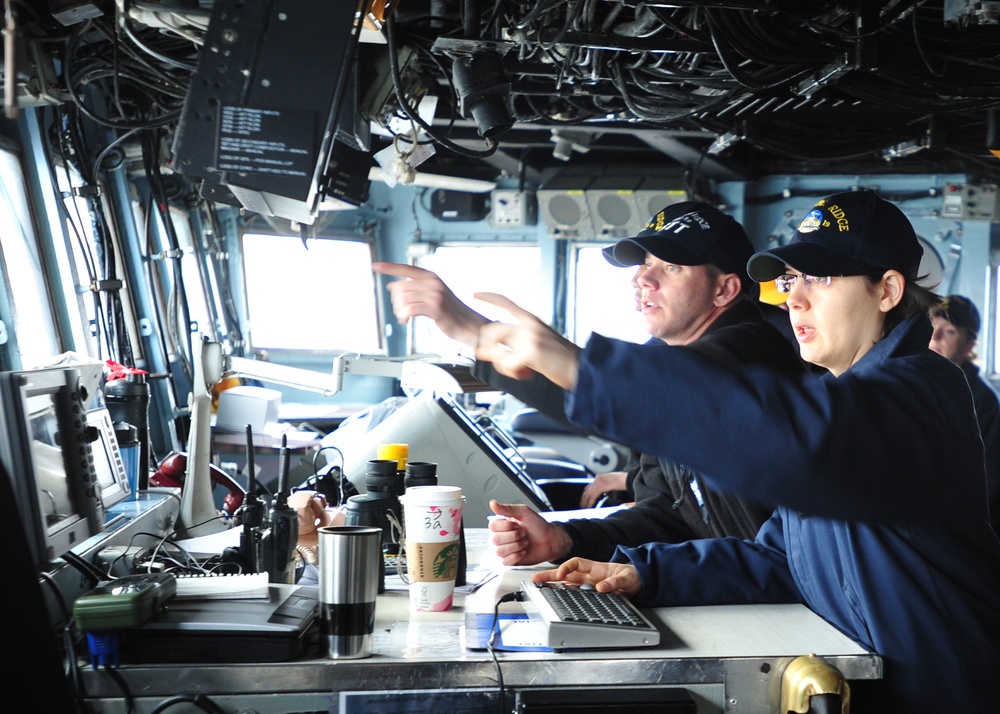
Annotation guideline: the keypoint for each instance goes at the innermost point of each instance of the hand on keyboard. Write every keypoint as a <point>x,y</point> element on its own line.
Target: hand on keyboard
<point>620,578</point>
<point>574,617</point>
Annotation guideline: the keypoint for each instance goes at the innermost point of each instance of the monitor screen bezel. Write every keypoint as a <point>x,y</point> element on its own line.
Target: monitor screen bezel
<point>108,459</point>
<point>18,392</point>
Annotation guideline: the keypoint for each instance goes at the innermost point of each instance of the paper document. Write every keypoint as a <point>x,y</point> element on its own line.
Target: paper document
<point>516,632</point>
<point>561,516</point>
<point>211,544</point>
<point>241,586</point>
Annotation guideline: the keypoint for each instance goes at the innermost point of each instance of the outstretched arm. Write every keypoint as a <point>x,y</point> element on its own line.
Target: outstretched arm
<point>423,293</point>
<point>526,345</point>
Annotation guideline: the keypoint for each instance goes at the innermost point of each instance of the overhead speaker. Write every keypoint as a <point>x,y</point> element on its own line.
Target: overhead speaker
<point>613,209</point>
<point>656,193</point>
<point>566,214</point>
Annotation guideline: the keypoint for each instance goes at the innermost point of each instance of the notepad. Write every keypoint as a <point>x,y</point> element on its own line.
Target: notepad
<point>515,632</point>
<point>244,586</point>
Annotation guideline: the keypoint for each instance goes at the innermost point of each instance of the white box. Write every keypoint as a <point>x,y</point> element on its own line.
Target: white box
<point>239,406</point>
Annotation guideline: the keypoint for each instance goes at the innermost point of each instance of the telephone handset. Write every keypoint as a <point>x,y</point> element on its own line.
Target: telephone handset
<point>171,474</point>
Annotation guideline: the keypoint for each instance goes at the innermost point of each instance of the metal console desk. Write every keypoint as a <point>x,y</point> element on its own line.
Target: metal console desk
<point>728,658</point>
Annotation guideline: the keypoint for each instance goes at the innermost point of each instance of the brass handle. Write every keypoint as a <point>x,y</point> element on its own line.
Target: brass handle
<point>810,675</point>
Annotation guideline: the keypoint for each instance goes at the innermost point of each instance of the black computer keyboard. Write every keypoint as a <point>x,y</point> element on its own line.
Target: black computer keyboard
<point>579,618</point>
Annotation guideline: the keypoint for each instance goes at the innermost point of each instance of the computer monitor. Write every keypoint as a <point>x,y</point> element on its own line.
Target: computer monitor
<point>109,467</point>
<point>45,449</point>
<point>260,120</point>
<point>469,453</point>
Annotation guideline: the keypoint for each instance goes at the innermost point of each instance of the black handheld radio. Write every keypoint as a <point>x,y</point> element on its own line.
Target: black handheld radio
<point>249,554</point>
<point>282,535</point>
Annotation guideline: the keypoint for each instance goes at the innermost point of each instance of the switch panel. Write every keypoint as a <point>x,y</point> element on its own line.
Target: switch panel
<point>513,209</point>
<point>976,202</point>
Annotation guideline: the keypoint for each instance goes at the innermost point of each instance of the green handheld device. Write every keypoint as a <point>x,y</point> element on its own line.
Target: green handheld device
<point>126,602</point>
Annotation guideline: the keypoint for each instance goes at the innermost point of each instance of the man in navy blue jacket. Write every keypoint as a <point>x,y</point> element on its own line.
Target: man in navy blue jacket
<point>881,523</point>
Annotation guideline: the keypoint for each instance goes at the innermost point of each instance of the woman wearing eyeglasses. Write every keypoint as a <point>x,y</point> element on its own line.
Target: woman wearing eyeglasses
<point>881,525</point>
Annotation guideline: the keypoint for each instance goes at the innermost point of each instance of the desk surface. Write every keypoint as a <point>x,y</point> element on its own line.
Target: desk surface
<point>730,657</point>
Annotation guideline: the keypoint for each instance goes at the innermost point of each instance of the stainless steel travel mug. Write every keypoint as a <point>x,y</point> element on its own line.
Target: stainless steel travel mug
<point>349,558</point>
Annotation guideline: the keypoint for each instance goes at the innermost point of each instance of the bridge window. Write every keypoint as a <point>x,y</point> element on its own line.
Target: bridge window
<point>511,270</point>
<point>24,272</point>
<point>602,299</point>
<point>316,297</point>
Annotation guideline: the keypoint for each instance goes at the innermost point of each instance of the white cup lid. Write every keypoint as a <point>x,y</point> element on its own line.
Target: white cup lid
<point>431,495</point>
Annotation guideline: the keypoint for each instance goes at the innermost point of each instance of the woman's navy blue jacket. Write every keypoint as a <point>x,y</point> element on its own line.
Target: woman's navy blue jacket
<point>881,524</point>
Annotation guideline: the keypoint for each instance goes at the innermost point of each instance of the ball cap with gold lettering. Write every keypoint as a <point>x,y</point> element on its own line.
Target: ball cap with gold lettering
<point>849,233</point>
<point>959,311</point>
<point>688,233</point>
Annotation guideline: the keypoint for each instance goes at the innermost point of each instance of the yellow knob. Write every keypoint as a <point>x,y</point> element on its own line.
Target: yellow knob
<point>395,452</point>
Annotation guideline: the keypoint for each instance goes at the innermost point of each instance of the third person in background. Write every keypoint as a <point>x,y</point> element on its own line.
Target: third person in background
<point>956,331</point>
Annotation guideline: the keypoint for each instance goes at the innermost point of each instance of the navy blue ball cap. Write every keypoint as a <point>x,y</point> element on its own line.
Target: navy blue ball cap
<point>848,233</point>
<point>959,311</point>
<point>688,233</point>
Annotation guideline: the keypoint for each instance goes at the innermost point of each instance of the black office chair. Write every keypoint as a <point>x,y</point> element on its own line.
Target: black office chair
<point>553,452</point>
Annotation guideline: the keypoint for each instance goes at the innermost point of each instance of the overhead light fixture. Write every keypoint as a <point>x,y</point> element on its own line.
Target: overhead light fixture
<point>825,76</point>
<point>449,183</point>
<point>723,142</point>
<point>567,141</point>
<point>904,148</point>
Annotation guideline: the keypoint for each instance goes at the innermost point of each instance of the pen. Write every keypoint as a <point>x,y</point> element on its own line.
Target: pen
<point>489,576</point>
